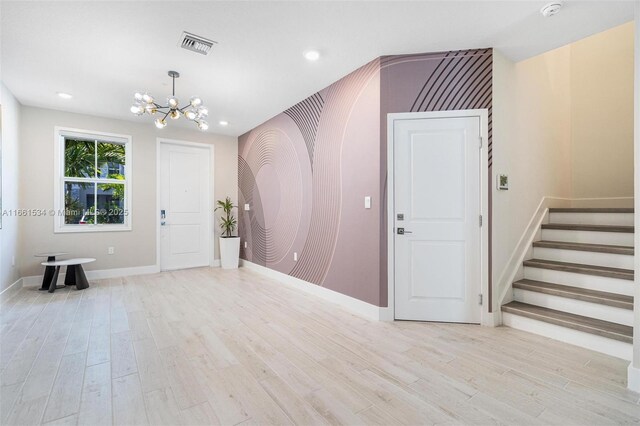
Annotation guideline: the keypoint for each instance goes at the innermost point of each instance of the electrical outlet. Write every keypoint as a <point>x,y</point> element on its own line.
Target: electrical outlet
<point>110,250</point>
<point>247,207</point>
<point>295,256</point>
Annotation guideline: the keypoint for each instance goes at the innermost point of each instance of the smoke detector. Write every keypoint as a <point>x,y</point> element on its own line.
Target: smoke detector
<point>551,9</point>
<point>196,43</point>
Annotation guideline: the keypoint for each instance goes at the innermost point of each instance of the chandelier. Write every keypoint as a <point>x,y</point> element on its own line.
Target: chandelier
<point>194,110</point>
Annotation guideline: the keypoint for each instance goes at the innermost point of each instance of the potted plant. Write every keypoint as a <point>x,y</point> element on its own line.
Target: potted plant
<point>229,244</point>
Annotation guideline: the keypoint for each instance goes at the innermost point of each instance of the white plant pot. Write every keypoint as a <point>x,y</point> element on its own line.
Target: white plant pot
<point>229,252</point>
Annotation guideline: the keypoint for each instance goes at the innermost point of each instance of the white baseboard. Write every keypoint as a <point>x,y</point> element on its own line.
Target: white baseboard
<point>386,314</point>
<point>36,280</point>
<point>215,263</point>
<point>492,319</point>
<point>11,291</point>
<point>633,378</point>
<point>365,309</point>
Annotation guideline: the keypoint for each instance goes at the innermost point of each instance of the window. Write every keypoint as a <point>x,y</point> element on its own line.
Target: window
<point>93,187</point>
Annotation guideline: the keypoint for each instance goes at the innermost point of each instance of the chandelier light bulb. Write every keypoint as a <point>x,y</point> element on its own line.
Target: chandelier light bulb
<point>203,111</point>
<point>172,101</point>
<point>193,111</point>
<point>160,123</point>
<point>137,109</point>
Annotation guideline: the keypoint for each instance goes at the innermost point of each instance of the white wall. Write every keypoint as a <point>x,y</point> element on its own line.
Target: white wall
<point>136,248</point>
<point>9,273</point>
<point>531,143</point>
<point>602,114</point>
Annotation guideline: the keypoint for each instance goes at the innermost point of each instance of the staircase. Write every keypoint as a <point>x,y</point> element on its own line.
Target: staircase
<point>578,287</point>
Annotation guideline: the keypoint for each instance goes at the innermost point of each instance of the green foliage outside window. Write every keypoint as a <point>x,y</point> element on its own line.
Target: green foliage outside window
<point>86,202</point>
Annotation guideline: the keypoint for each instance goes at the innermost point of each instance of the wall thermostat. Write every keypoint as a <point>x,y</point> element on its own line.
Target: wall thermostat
<point>502,182</point>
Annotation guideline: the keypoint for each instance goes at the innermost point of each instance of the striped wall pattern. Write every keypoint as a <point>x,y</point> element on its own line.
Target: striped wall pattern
<point>459,80</point>
<point>306,115</point>
<point>273,228</point>
<point>247,180</point>
<point>319,247</point>
<point>306,171</point>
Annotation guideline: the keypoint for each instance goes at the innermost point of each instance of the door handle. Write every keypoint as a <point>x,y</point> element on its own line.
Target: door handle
<point>401,231</point>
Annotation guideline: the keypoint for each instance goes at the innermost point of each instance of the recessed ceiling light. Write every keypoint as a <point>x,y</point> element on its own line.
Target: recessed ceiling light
<point>223,123</point>
<point>312,55</point>
<point>64,95</point>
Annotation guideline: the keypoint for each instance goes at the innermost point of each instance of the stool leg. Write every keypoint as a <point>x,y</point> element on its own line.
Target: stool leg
<point>48,274</point>
<point>81,278</point>
<point>70,278</point>
<point>54,280</point>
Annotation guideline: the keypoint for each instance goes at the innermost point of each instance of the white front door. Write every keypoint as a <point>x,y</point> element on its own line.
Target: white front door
<point>185,216</point>
<point>437,205</point>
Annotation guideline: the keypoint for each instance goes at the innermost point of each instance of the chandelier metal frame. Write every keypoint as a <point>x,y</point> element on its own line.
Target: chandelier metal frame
<point>193,111</point>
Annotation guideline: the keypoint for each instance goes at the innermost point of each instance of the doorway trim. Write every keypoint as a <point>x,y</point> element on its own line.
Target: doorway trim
<point>483,115</point>
<point>210,192</point>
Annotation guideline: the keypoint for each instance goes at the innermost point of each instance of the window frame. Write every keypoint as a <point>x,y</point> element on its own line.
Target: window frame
<point>59,226</point>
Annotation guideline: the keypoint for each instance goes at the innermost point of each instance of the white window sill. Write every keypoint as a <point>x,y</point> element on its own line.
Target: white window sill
<point>70,229</point>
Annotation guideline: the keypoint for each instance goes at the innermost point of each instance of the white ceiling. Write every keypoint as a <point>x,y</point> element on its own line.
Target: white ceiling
<point>102,52</point>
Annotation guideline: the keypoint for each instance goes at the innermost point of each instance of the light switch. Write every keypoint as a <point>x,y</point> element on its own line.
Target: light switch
<point>367,202</point>
<point>246,207</point>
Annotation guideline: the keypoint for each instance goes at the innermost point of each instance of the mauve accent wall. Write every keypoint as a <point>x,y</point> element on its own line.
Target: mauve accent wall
<point>306,171</point>
<point>305,174</point>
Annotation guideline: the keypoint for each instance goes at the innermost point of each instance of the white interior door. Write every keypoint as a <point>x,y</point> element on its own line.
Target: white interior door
<point>437,205</point>
<point>185,229</point>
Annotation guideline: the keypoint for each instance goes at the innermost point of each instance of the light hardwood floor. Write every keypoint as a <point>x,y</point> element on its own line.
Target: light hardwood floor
<point>209,346</point>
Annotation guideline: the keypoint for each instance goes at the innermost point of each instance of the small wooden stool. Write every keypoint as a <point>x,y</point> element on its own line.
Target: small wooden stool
<point>75,273</point>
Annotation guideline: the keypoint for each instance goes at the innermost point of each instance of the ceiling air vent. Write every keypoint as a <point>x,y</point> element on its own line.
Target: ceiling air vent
<point>196,43</point>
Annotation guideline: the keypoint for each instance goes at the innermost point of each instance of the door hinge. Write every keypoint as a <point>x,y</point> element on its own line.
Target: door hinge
<point>480,142</point>
<point>480,220</point>
<point>480,299</point>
